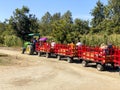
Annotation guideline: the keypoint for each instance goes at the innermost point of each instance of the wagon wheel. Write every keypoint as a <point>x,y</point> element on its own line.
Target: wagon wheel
<point>59,57</point>
<point>39,53</point>
<point>100,67</point>
<point>55,55</point>
<point>69,60</point>
<point>84,63</point>
<point>119,70</point>
<point>29,50</point>
<point>47,55</point>
<point>113,66</point>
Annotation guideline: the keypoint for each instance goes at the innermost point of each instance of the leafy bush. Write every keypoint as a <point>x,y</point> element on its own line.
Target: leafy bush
<point>12,40</point>
<point>1,40</point>
<point>97,39</point>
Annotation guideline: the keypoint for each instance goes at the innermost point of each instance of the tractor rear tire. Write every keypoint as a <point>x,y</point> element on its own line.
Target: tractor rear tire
<point>23,50</point>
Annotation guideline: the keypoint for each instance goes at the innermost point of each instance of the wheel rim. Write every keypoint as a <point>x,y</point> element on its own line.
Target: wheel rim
<point>28,49</point>
<point>69,60</point>
<point>84,63</point>
<point>47,55</point>
<point>58,57</point>
<point>99,67</point>
<point>39,54</point>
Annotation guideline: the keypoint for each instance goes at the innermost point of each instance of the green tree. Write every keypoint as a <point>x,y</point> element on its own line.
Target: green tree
<point>98,14</point>
<point>114,13</point>
<point>23,23</point>
<point>2,29</point>
<point>45,24</point>
<point>81,26</point>
<point>46,19</point>
<point>56,16</point>
<point>68,17</point>
<point>60,30</point>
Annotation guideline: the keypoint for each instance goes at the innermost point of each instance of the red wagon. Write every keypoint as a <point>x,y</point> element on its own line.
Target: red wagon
<point>45,48</point>
<point>88,54</point>
<point>64,50</point>
<point>96,55</point>
<point>117,58</point>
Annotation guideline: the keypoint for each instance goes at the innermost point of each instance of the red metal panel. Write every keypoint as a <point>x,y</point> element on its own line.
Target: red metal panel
<point>95,54</point>
<point>117,56</point>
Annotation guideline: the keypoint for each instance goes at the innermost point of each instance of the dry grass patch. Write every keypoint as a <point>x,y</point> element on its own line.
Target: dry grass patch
<point>8,60</point>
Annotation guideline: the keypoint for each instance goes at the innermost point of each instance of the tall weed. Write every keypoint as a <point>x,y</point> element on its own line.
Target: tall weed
<point>12,40</point>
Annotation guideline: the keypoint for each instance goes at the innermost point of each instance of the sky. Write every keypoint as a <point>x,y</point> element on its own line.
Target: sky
<point>79,8</point>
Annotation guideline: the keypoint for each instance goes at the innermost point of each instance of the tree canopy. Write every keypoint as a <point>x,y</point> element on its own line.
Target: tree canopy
<point>23,23</point>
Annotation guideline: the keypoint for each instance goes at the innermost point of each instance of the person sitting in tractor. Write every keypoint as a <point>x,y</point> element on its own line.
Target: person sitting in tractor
<point>33,43</point>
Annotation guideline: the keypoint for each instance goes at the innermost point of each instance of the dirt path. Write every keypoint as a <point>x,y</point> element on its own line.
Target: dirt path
<point>40,73</point>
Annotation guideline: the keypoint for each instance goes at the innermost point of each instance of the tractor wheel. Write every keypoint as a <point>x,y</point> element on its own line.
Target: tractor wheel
<point>36,53</point>
<point>23,50</point>
<point>69,60</point>
<point>29,50</point>
<point>119,70</point>
<point>59,57</point>
<point>100,67</point>
<point>84,63</point>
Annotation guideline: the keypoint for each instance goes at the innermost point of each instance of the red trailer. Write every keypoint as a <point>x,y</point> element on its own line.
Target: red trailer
<point>45,48</point>
<point>117,57</point>
<point>95,55</point>
<point>64,50</point>
<point>88,54</point>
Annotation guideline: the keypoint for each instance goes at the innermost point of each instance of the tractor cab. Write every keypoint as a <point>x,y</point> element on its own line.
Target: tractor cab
<point>29,45</point>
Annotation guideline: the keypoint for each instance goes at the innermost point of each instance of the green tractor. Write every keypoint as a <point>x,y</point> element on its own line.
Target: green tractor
<point>29,46</point>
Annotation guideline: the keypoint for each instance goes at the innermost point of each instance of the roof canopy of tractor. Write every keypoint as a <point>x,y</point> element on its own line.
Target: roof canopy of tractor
<point>34,34</point>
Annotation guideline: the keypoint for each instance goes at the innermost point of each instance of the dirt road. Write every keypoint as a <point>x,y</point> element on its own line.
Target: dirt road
<point>40,73</point>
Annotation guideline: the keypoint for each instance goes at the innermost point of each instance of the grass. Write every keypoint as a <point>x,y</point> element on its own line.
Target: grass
<point>96,40</point>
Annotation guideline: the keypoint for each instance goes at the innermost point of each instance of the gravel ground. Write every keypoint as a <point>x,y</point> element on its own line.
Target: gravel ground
<point>40,73</point>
